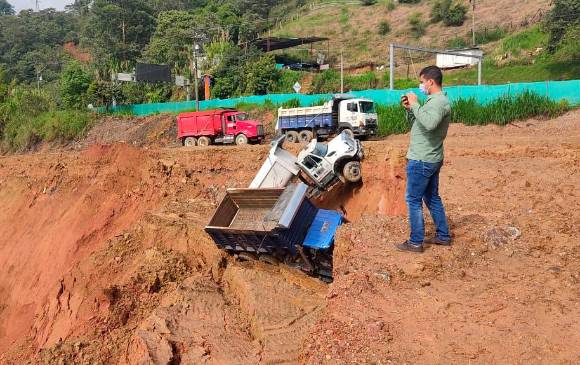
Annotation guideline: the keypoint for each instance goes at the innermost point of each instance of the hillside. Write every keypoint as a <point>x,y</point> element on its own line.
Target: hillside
<point>355,28</point>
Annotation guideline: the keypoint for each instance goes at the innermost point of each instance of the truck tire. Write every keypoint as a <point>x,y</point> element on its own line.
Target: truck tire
<point>190,141</point>
<point>352,171</point>
<point>349,132</point>
<point>292,137</point>
<point>241,139</point>
<point>203,141</point>
<point>306,136</point>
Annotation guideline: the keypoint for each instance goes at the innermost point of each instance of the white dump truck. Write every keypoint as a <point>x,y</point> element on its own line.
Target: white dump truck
<point>320,165</point>
<point>344,112</point>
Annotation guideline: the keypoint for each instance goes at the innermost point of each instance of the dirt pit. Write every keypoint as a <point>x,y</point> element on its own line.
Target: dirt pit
<point>103,259</point>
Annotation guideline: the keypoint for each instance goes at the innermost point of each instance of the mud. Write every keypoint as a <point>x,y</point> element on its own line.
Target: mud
<point>103,258</point>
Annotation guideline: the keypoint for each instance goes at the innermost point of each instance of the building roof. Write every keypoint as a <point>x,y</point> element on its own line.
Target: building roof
<point>274,43</point>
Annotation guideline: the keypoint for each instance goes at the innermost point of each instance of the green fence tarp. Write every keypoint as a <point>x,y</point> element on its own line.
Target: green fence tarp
<point>555,90</point>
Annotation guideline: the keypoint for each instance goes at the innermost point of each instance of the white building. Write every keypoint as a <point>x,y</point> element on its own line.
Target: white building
<point>452,61</point>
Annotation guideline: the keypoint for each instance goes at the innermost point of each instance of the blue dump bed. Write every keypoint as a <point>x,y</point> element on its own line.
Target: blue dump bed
<point>305,121</point>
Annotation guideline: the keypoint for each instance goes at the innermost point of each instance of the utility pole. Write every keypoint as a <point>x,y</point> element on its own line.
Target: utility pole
<point>195,49</point>
<point>341,73</point>
<point>473,21</point>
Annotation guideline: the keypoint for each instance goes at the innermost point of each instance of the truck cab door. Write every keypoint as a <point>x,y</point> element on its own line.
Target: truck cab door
<point>349,113</point>
<point>230,124</point>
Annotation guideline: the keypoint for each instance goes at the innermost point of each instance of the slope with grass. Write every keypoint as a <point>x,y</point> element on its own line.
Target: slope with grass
<point>359,30</point>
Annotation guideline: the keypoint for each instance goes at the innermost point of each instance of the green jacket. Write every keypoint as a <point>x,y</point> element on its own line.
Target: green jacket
<point>430,123</point>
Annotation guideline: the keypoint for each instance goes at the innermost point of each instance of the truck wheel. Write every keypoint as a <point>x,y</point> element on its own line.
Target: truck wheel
<point>190,141</point>
<point>203,141</point>
<point>306,136</point>
<point>352,171</point>
<point>349,132</point>
<point>292,137</point>
<point>241,139</point>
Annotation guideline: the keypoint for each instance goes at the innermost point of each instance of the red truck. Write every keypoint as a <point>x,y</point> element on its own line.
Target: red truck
<point>218,126</point>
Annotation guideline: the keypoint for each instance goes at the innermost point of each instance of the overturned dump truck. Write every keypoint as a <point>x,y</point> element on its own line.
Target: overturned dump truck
<point>276,225</point>
<point>320,165</point>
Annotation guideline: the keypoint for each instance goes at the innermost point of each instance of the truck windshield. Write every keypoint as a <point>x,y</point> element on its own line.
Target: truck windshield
<point>367,107</point>
<point>320,149</point>
<point>242,116</point>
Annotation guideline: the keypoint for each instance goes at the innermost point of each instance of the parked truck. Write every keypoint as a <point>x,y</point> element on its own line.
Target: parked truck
<point>276,225</point>
<point>222,126</point>
<point>321,165</point>
<point>343,113</point>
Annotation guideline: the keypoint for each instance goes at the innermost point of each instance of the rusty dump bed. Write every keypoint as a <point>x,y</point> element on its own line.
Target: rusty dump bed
<point>262,220</point>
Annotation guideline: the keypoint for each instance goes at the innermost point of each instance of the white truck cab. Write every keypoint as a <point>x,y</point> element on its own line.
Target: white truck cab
<point>321,165</point>
<point>358,115</point>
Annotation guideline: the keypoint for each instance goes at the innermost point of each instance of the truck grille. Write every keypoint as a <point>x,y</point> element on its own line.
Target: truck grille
<point>260,130</point>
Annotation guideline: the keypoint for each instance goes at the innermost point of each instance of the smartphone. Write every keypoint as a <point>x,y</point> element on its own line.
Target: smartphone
<point>404,100</point>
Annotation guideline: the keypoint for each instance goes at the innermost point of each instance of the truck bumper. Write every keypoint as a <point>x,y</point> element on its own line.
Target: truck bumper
<point>365,131</point>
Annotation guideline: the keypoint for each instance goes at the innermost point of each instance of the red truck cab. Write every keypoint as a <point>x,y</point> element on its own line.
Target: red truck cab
<point>218,126</point>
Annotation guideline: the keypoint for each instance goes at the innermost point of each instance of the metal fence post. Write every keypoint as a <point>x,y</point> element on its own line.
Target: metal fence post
<point>392,67</point>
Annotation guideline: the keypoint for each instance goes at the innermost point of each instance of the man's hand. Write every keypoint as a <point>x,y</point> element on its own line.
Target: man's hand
<point>412,98</point>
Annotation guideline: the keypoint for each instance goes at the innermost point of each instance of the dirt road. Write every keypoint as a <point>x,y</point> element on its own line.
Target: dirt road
<point>103,259</point>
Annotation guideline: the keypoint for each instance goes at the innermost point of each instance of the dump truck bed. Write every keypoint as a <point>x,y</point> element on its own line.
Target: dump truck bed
<point>262,220</point>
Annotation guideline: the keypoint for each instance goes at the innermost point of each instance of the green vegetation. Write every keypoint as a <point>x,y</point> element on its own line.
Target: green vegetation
<point>384,27</point>
<point>329,82</point>
<point>28,117</point>
<point>489,35</point>
<point>449,12</point>
<point>416,25</point>
<point>563,23</point>
<point>456,42</point>
<point>529,39</point>
<point>504,110</point>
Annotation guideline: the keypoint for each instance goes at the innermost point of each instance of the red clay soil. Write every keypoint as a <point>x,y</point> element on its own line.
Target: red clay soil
<point>103,259</point>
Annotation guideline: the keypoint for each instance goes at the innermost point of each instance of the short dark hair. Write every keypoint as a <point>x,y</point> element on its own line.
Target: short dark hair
<point>432,73</point>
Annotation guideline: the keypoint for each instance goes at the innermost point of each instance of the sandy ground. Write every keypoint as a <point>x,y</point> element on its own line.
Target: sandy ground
<point>103,259</point>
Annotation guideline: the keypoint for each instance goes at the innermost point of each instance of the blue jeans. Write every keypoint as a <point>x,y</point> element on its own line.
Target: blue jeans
<point>423,186</point>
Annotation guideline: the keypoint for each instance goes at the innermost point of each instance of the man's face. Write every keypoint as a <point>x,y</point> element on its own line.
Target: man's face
<point>426,82</point>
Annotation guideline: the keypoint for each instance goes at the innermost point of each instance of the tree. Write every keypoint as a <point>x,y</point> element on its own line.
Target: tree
<point>74,85</point>
<point>173,39</point>
<point>33,40</point>
<point>119,30</point>
<point>561,21</point>
<point>6,8</point>
<point>452,14</point>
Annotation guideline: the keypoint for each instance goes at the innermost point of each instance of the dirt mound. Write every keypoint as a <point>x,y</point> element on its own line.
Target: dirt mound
<point>157,130</point>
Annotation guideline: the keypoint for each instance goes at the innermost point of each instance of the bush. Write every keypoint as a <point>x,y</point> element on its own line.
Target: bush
<point>457,42</point>
<point>74,84</point>
<point>384,27</point>
<point>417,26</point>
<point>489,35</point>
<point>562,18</point>
<point>326,82</point>
<point>452,14</point>
<point>62,125</point>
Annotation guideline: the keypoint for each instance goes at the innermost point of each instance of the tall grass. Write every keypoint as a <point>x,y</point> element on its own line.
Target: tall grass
<point>29,116</point>
<point>501,111</point>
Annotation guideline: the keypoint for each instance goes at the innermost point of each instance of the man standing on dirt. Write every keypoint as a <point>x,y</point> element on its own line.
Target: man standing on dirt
<point>430,123</point>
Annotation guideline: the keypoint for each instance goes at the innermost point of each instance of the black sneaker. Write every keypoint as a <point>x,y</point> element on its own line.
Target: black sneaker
<point>408,246</point>
<point>436,241</point>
